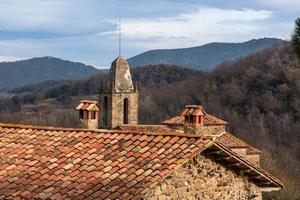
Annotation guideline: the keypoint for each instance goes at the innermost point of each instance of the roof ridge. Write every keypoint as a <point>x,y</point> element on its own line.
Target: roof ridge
<point>49,128</point>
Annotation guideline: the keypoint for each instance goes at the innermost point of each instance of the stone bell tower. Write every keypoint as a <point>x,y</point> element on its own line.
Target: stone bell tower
<point>120,101</point>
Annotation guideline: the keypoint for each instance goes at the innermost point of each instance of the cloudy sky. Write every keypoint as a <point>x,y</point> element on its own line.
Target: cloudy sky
<point>87,30</point>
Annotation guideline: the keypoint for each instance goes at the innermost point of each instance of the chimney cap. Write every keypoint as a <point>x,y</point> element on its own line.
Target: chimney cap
<point>88,105</point>
<point>193,106</point>
<point>88,101</point>
<point>194,110</point>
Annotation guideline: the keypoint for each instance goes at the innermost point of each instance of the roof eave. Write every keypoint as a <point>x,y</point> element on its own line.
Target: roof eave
<point>254,172</point>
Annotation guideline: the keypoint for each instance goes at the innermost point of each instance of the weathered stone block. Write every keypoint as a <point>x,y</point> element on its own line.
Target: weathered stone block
<point>213,181</point>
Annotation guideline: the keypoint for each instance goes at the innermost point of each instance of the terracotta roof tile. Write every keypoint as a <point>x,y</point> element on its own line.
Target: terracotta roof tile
<point>88,105</point>
<point>231,141</point>
<point>82,163</point>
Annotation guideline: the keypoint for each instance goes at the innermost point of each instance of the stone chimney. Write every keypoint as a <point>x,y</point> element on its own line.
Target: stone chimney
<point>193,114</point>
<point>198,122</point>
<point>88,114</point>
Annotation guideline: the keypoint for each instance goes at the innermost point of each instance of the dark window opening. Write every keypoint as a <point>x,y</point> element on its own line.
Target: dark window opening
<point>105,111</point>
<point>85,114</point>
<point>125,112</point>
<point>93,115</point>
<point>190,119</point>
<point>193,120</point>
<point>81,114</point>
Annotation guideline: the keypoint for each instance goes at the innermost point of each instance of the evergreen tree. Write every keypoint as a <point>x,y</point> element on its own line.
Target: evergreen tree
<point>296,37</point>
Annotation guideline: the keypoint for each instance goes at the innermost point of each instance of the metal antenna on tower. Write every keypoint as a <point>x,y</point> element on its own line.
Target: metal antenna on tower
<point>119,36</point>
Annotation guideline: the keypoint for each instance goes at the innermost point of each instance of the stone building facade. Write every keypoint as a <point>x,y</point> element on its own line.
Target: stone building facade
<point>203,178</point>
<point>204,129</point>
<point>119,102</point>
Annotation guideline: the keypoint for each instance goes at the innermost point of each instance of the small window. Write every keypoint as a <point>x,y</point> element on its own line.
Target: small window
<point>81,114</point>
<point>85,114</point>
<point>93,115</point>
<point>194,119</point>
<point>125,112</point>
<point>186,119</point>
<point>105,108</point>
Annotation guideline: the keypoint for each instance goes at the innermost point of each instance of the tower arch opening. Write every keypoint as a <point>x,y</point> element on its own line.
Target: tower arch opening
<point>125,111</point>
<point>105,110</point>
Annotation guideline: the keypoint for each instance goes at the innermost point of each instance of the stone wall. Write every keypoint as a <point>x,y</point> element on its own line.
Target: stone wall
<point>117,113</point>
<point>115,109</point>
<point>204,129</point>
<point>88,123</point>
<point>242,151</point>
<point>202,178</point>
<point>254,158</point>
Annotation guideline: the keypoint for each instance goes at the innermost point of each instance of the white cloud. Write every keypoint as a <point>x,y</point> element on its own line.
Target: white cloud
<point>84,31</point>
<point>281,4</point>
<point>26,15</point>
<point>56,16</point>
<point>8,58</point>
<point>204,25</point>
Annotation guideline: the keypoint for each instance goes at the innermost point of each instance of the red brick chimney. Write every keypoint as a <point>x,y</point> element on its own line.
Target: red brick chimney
<point>88,114</point>
<point>198,122</point>
<point>193,114</point>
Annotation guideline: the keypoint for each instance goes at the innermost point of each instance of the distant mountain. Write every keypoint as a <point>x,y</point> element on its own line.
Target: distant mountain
<point>14,74</point>
<point>202,57</point>
<point>20,73</point>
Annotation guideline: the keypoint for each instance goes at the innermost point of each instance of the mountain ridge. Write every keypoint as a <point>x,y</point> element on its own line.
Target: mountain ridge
<point>205,57</point>
<point>22,72</point>
<point>19,73</point>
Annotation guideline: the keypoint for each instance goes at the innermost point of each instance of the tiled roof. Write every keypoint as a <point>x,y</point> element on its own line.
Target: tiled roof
<point>231,141</point>
<point>208,120</point>
<point>58,163</point>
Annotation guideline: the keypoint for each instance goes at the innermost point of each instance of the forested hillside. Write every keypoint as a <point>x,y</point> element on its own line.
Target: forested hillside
<point>258,95</point>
